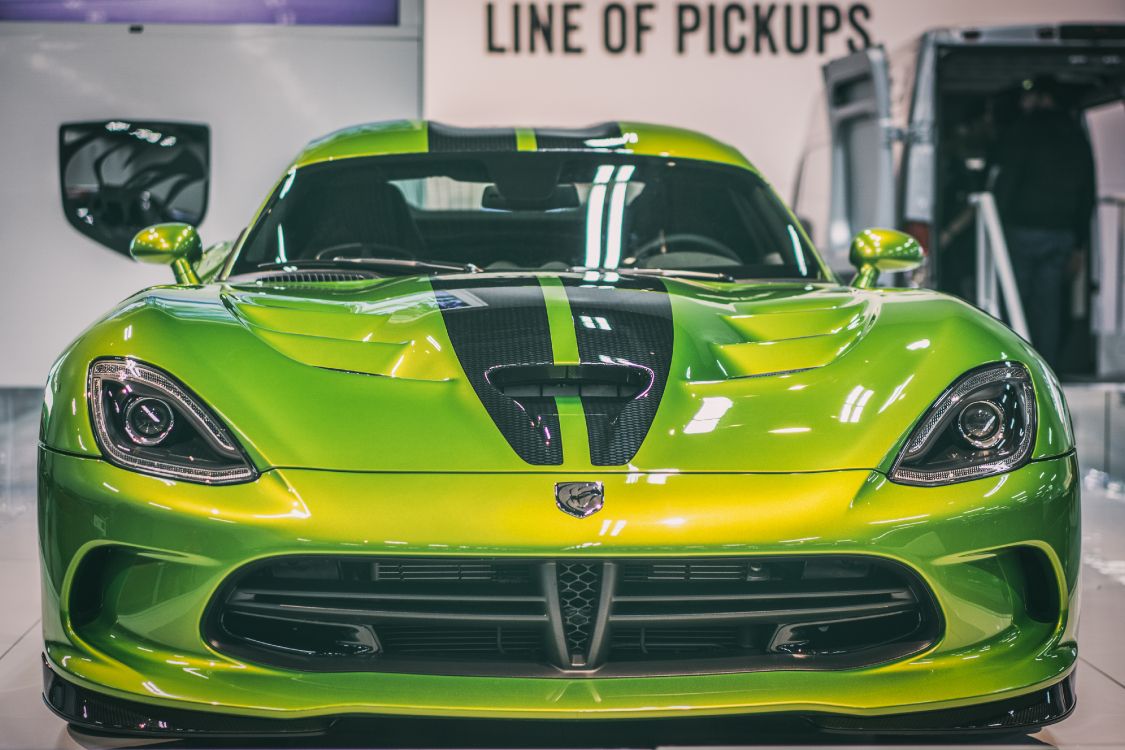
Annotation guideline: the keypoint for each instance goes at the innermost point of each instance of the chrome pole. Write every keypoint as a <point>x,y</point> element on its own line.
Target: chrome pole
<point>996,266</point>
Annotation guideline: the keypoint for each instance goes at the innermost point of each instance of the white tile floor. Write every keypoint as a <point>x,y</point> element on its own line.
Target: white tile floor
<point>1098,722</point>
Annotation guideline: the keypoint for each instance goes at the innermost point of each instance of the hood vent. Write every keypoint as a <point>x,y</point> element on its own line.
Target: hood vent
<point>314,277</point>
<point>620,382</point>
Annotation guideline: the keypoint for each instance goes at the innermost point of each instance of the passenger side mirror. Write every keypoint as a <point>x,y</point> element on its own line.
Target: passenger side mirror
<point>876,251</point>
<point>175,245</point>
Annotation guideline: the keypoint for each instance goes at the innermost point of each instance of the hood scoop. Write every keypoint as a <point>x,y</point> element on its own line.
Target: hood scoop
<point>386,332</point>
<point>780,339</point>
<point>596,381</point>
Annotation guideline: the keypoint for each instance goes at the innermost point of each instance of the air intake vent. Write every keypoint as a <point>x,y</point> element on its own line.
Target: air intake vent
<point>453,570</point>
<point>314,277</point>
<point>496,616</point>
<point>700,570</point>
<point>620,382</point>
<point>662,642</point>
<point>494,641</point>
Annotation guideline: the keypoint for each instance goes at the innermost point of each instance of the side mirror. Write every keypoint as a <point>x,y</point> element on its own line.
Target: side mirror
<point>876,251</point>
<point>176,245</point>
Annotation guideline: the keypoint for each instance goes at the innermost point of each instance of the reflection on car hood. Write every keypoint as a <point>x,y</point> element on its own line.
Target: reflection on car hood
<point>385,328</point>
<point>399,374</point>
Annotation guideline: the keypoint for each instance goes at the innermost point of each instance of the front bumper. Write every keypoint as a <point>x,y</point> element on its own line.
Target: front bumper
<point>143,645</point>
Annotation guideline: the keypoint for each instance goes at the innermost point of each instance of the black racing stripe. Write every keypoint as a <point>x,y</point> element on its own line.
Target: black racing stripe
<point>628,322</point>
<point>494,322</point>
<point>553,139</point>
<point>450,139</point>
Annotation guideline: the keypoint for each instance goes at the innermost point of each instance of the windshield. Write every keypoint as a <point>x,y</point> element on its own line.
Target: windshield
<point>538,211</point>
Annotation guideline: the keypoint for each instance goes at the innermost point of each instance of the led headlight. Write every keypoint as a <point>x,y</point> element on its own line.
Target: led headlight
<point>145,420</point>
<point>984,424</point>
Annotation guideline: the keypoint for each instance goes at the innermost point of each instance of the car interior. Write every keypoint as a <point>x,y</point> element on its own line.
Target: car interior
<point>530,213</point>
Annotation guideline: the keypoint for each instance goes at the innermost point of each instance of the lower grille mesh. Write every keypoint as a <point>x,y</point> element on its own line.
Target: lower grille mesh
<point>550,617</point>
<point>407,570</point>
<point>663,642</point>
<point>425,640</point>
<point>579,587</point>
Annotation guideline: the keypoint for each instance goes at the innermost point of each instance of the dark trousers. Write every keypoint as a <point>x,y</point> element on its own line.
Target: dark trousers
<point>1039,260</point>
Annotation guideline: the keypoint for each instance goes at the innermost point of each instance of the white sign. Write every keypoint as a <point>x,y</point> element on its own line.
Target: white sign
<point>745,72</point>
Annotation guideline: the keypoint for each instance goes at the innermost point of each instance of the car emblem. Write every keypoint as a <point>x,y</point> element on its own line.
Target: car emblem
<point>579,499</point>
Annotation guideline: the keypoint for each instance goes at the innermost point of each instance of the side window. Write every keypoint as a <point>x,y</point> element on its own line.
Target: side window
<point>120,176</point>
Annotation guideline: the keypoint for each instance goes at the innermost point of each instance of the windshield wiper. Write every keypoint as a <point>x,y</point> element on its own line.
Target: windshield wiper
<point>674,273</point>
<point>376,264</point>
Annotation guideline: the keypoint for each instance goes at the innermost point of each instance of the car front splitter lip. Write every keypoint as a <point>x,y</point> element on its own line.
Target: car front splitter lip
<point>97,712</point>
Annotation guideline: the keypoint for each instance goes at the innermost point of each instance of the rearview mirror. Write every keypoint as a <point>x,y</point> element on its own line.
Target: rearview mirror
<point>876,251</point>
<point>175,245</point>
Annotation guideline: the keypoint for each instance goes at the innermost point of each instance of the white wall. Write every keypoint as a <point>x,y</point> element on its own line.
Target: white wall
<point>264,90</point>
<point>758,102</point>
<point>267,90</point>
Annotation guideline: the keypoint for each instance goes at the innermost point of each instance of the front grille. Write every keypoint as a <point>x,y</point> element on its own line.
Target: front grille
<point>460,641</point>
<point>449,570</point>
<point>661,642</point>
<point>552,617</point>
<point>697,570</point>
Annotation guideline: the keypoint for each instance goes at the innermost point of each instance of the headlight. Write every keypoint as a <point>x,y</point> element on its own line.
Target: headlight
<point>984,424</point>
<point>145,420</point>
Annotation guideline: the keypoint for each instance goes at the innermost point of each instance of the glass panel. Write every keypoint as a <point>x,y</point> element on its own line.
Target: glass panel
<point>532,211</point>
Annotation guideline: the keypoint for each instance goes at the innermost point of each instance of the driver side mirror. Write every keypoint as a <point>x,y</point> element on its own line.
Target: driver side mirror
<point>176,245</point>
<point>876,251</point>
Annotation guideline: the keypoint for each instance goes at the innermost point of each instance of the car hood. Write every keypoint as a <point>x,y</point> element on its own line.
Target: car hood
<point>470,373</point>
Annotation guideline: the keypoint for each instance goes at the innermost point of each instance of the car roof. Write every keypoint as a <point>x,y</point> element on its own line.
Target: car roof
<point>423,136</point>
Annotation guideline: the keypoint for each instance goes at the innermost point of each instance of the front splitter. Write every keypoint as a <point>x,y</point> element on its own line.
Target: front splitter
<point>92,711</point>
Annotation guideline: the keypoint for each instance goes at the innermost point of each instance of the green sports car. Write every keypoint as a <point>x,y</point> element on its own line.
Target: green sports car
<point>562,424</point>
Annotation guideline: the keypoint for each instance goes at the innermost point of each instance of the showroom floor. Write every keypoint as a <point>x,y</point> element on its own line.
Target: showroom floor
<point>1099,721</point>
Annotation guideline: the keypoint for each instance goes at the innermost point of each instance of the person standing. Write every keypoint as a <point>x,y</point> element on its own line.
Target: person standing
<point>1045,192</point>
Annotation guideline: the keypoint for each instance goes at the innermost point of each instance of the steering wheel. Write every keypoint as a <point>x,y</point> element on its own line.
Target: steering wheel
<point>653,246</point>
<point>333,251</point>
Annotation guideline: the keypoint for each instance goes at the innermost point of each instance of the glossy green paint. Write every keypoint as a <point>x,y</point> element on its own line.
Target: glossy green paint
<point>338,391</point>
<point>525,139</point>
<point>173,244</point>
<point>287,367</point>
<point>646,139</point>
<point>411,137</point>
<point>564,342</point>
<point>372,139</point>
<point>876,251</point>
<point>183,539</point>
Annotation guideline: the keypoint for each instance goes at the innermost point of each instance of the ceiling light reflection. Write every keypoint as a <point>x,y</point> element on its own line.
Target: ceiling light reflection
<point>595,208</point>
<point>710,412</point>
